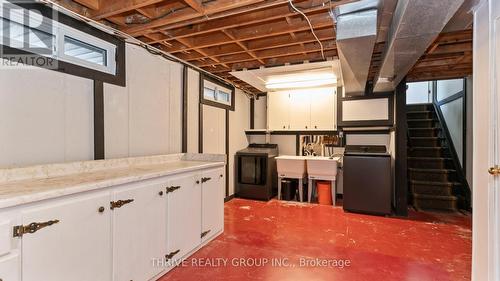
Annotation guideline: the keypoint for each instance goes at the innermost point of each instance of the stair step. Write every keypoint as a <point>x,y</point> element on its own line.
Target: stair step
<point>420,115</point>
<point>433,188</point>
<point>430,162</point>
<point>424,132</point>
<point>426,141</point>
<point>421,123</point>
<point>428,151</point>
<point>434,202</point>
<point>437,175</point>
<point>420,107</point>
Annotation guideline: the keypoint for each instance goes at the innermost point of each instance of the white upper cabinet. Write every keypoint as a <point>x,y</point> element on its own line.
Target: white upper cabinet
<point>300,110</point>
<point>306,109</point>
<point>213,182</point>
<point>184,215</point>
<point>73,241</point>
<point>323,109</point>
<point>278,111</point>
<point>139,231</point>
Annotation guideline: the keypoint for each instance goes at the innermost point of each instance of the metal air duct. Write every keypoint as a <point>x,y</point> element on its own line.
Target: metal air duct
<point>415,25</point>
<point>356,37</point>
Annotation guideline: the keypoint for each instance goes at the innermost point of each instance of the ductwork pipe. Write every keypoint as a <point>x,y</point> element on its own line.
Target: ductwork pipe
<point>415,25</point>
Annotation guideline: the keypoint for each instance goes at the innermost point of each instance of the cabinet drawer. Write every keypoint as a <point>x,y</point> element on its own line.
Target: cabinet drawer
<point>5,236</point>
<point>9,268</point>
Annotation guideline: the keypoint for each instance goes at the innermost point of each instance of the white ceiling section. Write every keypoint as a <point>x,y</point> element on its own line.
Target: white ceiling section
<point>259,77</point>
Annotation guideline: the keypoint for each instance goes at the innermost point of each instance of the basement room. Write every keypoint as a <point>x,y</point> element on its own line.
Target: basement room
<point>177,140</point>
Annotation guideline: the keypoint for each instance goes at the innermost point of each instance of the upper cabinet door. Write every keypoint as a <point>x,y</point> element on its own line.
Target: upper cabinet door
<point>213,182</point>
<point>76,246</point>
<point>139,231</point>
<point>184,215</point>
<point>323,109</point>
<point>300,110</point>
<point>278,110</point>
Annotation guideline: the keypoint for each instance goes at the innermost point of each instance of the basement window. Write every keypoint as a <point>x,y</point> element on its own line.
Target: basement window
<point>76,47</point>
<point>216,93</point>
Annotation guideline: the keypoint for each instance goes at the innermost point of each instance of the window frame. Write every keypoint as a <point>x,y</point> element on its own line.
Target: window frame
<point>209,80</point>
<point>113,73</point>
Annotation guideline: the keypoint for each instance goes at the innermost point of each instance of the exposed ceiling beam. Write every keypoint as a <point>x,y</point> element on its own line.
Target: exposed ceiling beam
<point>251,33</point>
<point>196,5</point>
<point>274,53</point>
<point>256,17</point>
<point>92,4</point>
<point>186,14</point>
<point>114,7</point>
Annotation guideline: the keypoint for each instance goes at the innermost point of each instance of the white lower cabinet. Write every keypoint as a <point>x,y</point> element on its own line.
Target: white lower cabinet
<point>73,240</point>
<point>213,182</point>
<point>139,231</point>
<point>125,233</point>
<point>184,215</point>
<point>9,268</point>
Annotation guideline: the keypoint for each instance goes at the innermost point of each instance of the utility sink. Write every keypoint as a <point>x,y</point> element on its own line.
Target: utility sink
<point>299,166</point>
<point>291,166</point>
<point>322,167</point>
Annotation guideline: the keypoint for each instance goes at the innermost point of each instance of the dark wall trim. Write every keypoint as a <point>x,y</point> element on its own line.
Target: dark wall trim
<point>366,123</point>
<point>99,152</point>
<point>297,144</point>
<point>305,132</point>
<point>451,98</point>
<point>204,77</point>
<point>252,113</point>
<point>401,165</point>
<point>461,168</point>
<point>118,79</point>
<point>227,152</point>
<point>200,128</point>
<point>368,132</point>
<point>228,198</point>
<point>184,109</point>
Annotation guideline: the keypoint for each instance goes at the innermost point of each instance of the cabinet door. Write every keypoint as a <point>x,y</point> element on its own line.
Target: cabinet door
<point>300,110</point>
<point>78,247</point>
<point>9,268</point>
<point>278,111</point>
<point>139,232</point>
<point>183,215</point>
<point>212,202</point>
<point>323,109</point>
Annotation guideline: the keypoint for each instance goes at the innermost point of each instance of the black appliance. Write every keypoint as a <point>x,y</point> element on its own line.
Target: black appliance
<point>367,179</point>
<point>255,172</point>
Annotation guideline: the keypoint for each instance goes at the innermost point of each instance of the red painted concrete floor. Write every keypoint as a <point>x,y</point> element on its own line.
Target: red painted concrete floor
<point>427,246</point>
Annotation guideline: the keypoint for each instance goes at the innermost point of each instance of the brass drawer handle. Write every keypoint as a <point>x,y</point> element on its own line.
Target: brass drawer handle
<point>494,171</point>
<point>120,203</point>
<point>172,188</point>
<point>172,254</point>
<point>33,227</point>
<point>205,179</point>
<point>204,233</point>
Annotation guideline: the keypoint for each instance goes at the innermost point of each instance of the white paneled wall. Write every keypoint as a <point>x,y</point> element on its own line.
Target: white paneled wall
<point>260,113</point>
<point>145,117</point>
<point>239,121</point>
<point>193,93</point>
<point>45,117</point>
<point>214,130</point>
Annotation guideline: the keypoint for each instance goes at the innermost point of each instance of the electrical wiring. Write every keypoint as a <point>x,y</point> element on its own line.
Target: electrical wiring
<point>310,25</point>
<point>133,41</point>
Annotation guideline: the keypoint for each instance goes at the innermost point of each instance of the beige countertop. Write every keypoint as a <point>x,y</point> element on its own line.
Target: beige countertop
<point>31,184</point>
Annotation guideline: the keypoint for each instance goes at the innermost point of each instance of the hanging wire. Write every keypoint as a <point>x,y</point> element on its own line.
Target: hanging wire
<point>310,25</point>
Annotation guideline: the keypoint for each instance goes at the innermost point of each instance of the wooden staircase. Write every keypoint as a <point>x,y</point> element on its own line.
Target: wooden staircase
<point>433,178</point>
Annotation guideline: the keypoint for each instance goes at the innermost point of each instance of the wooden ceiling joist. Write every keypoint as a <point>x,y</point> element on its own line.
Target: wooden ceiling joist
<point>225,35</point>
